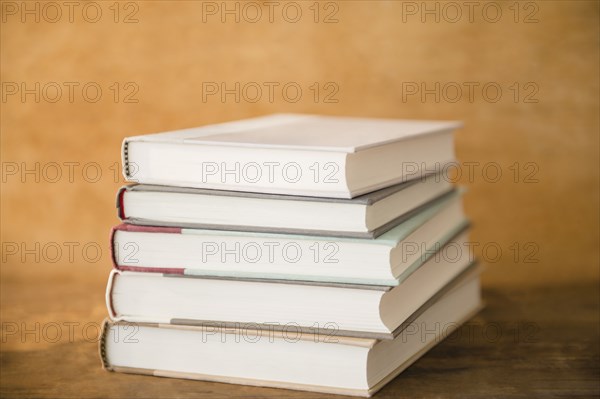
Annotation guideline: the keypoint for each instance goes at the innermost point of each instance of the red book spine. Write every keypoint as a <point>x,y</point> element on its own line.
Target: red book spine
<point>142,229</point>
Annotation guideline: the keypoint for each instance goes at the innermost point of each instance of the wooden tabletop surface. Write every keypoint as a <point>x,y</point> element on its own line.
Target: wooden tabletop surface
<point>527,342</point>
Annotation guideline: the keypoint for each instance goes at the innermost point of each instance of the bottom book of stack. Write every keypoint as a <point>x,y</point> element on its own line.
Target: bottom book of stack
<point>324,359</point>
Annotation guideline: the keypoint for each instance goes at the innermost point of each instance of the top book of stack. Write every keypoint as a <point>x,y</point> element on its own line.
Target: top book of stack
<point>305,155</point>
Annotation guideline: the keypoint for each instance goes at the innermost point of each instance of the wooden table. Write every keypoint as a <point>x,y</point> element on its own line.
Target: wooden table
<point>527,342</point>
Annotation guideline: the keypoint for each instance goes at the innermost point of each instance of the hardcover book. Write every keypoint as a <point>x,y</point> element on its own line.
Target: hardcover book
<point>366,216</point>
<point>307,155</point>
<point>357,310</point>
<point>386,260</point>
<point>326,362</point>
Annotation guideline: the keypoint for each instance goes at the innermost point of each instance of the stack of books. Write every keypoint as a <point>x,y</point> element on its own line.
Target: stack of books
<point>295,251</point>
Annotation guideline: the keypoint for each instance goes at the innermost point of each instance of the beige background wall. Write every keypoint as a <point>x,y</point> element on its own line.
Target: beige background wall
<point>372,54</point>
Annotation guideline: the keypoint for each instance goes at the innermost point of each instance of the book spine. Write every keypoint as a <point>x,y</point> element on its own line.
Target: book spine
<point>108,295</point>
<point>125,160</point>
<point>102,345</point>
<point>120,206</point>
<point>147,229</point>
<point>113,254</point>
<point>142,229</point>
<point>142,269</point>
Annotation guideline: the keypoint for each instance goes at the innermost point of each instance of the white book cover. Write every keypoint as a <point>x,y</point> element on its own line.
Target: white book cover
<point>309,155</point>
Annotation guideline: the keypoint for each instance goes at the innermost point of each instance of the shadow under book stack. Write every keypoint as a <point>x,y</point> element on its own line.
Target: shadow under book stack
<point>295,251</point>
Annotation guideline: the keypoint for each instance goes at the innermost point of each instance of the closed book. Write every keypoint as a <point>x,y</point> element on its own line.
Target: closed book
<point>306,155</point>
<point>385,260</point>
<point>366,216</point>
<point>356,309</point>
<point>327,362</point>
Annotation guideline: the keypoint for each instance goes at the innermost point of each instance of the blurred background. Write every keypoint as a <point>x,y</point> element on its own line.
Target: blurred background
<point>79,77</point>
